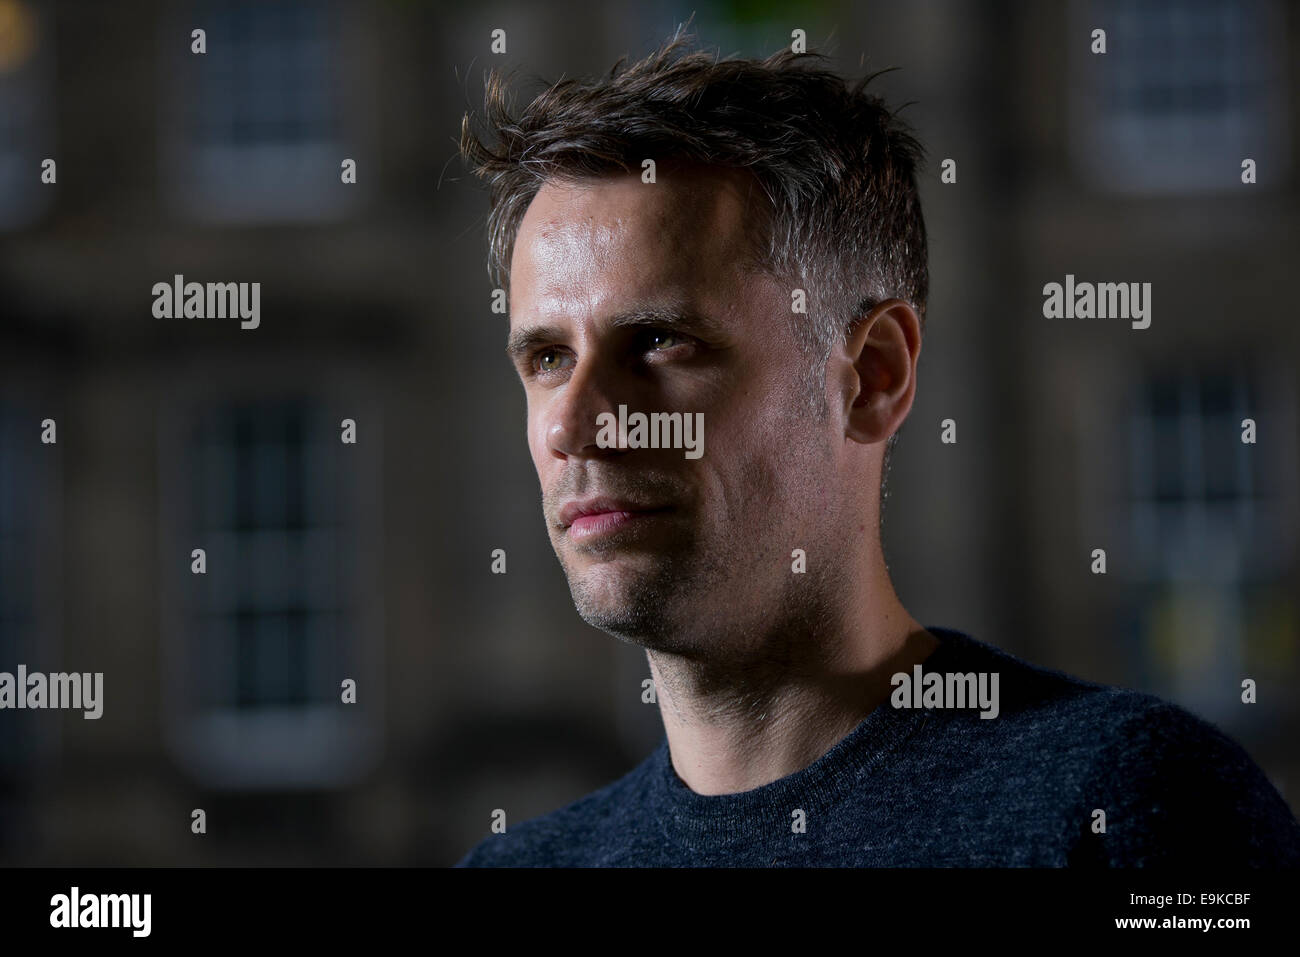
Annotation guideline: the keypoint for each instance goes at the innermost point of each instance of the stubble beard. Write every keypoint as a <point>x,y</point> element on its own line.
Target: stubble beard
<point>729,598</point>
<point>707,631</point>
<point>653,606</point>
<point>725,594</point>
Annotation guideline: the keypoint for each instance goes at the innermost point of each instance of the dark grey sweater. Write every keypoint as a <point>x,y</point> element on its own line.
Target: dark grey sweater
<point>947,788</point>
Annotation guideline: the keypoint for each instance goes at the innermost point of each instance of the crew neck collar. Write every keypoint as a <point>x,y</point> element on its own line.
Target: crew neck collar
<point>692,816</point>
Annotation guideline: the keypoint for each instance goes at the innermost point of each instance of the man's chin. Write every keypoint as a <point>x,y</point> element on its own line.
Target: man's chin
<point>628,625</point>
<point>632,604</point>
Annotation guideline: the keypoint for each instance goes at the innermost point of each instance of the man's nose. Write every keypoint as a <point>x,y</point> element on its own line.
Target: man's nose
<point>593,388</point>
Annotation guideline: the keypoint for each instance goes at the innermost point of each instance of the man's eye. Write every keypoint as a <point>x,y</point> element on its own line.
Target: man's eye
<point>549,360</point>
<point>663,339</point>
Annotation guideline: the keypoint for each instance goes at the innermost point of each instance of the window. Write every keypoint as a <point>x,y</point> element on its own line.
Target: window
<point>1186,90</point>
<point>261,642</point>
<point>1211,530</point>
<point>1201,500</point>
<point>257,126</point>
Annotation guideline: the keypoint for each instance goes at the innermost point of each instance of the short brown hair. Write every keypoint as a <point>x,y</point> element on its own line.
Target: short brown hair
<point>837,168</point>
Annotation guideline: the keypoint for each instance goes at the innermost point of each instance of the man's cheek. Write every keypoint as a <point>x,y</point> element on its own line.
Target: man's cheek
<point>537,440</point>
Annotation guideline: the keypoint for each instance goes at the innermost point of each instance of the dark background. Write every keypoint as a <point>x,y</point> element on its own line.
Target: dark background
<point>373,561</point>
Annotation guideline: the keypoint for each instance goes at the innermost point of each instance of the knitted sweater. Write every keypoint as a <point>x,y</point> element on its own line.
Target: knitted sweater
<point>943,787</point>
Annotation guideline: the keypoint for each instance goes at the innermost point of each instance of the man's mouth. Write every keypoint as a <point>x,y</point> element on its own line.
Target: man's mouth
<point>590,518</point>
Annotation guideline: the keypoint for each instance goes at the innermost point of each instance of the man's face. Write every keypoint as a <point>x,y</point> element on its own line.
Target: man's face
<point>636,294</point>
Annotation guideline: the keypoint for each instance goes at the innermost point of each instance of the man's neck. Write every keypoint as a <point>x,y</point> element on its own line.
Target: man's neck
<point>727,736</point>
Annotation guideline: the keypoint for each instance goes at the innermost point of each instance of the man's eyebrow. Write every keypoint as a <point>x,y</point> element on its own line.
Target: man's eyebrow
<point>522,341</point>
<point>670,317</point>
<point>676,319</point>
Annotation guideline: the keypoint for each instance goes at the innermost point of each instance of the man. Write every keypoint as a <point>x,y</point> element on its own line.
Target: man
<point>740,244</point>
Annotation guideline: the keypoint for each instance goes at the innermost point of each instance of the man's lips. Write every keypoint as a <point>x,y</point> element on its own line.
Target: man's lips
<point>587,511</point>
<point>591,518</point>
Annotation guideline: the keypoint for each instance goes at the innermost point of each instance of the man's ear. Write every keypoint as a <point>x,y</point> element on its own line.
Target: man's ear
<point>881,352</point>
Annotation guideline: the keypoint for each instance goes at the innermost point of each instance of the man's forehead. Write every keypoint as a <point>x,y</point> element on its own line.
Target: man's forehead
<point>617,234</point>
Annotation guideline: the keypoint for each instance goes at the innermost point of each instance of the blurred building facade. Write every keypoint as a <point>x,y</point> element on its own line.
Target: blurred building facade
<point>371,560</point>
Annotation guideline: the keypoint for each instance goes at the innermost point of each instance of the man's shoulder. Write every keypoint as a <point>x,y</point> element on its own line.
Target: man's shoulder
<point>1162,774</point>
<point>1179,789</point>
<point>1079,716</point>
<point>556,838</point>
<point>1076,710</point>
